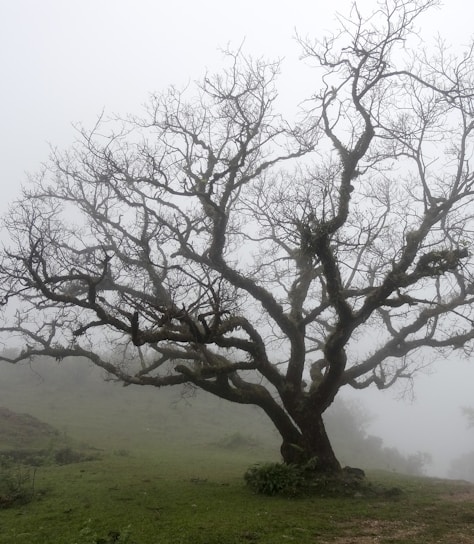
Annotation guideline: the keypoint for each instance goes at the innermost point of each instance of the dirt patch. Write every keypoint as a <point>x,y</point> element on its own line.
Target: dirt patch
<point>371,531</point>
<point>456,538</point>
<point>383,531</point>
<point>24,430</point>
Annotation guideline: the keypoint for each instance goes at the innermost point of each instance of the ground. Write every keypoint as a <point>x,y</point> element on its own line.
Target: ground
<point>24,430</point>
<point>177,472</point>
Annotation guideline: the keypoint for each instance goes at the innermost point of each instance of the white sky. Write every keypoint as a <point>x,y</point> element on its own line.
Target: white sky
<point>64,61</point>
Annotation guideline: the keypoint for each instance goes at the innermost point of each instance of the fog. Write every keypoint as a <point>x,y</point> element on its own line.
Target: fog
<point>90,411</point>
<point>430,417</point>
<point>64,63</point>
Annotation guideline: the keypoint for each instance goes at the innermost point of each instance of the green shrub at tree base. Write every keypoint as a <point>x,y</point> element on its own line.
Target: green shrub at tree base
<point>308,479</point>
<point>275,479</point>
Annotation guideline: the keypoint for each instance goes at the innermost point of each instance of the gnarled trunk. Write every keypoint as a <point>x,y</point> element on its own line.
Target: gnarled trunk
<point>303,433</point>
<point>312,443</point>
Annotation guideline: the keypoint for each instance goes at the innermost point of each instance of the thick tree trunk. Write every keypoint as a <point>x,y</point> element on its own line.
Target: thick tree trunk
<point>313,444</point>
<point>304,435</point>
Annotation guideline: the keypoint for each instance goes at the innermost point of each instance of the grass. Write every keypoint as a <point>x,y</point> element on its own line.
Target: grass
<point>166,477</point>
<point>178,496</point>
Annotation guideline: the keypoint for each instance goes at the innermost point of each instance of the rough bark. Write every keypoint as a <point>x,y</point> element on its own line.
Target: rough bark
<point>313,444</point>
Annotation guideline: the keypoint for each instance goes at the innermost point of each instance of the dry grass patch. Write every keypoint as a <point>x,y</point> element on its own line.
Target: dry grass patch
<point>373,530</point>
<point>463,492</point>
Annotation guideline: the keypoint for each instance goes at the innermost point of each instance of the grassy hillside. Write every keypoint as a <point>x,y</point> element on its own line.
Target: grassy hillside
<point>75,399</point>
<point>169,471</point>
<point>193,496</point>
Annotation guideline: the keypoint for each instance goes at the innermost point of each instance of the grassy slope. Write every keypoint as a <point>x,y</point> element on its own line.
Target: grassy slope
<point>160,476</point>
<point>198,497</point>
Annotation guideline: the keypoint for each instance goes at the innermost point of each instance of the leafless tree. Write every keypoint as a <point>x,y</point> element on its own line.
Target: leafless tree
<point>213,243</point>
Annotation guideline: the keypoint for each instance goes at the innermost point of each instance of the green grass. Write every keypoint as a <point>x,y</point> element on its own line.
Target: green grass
<point>178,496</point>
<point>175,476</point>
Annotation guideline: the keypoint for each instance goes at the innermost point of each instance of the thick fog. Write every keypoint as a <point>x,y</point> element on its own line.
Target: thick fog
<point>429,418</point>
<point>64,63</point>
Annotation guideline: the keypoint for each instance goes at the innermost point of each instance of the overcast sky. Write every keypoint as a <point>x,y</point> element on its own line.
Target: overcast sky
<point>65,61</point>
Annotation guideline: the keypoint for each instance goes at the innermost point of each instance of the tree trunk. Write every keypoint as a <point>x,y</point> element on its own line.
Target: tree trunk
<point>304,436</point>
<point>313,444</point>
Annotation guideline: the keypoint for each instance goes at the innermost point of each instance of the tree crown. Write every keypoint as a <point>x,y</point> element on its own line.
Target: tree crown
<point>212,241</point>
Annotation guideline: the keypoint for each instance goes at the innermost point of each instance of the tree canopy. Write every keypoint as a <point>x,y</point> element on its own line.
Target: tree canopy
<point>267,261</point>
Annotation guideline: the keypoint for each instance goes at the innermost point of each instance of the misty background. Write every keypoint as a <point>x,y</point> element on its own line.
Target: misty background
<point>65,63</point>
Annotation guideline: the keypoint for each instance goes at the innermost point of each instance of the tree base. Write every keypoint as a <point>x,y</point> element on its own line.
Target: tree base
<point>310,480</point>
<point>349,482</point>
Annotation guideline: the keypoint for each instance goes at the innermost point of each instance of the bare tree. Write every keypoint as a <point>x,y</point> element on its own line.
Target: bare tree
<point>215,244</point>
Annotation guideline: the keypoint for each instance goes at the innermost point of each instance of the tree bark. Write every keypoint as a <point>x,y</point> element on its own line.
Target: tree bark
<point>303,434</point>
<point>312,444</point>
